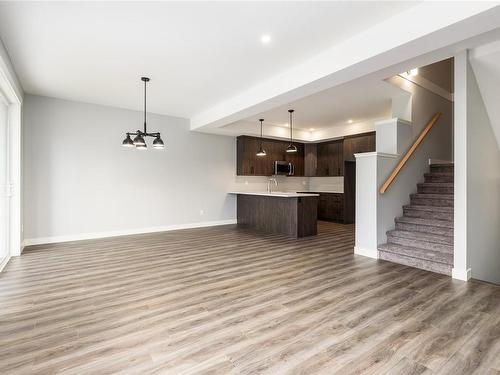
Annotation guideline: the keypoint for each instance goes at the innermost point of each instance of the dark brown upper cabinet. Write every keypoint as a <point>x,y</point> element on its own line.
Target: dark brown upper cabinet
<point>357,143</point>
<point>324,159</point>
<point>310,159</point>
<point>329,159</point>
<point>249,164</point>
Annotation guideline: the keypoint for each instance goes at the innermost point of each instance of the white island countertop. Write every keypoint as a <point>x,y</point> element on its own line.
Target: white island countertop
<point>282,194</point>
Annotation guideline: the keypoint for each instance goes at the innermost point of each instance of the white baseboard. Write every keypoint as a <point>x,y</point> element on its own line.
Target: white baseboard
<point>370,253</point>
<point>90,236</point>
<point>461,274</point>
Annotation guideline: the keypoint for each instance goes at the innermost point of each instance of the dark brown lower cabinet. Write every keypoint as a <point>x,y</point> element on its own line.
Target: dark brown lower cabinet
<point>292,216</point>
<point>349,191</point>
<point>331,207</point>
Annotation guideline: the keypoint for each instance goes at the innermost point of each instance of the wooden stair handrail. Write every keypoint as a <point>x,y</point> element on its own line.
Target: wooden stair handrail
<point>409,153</point>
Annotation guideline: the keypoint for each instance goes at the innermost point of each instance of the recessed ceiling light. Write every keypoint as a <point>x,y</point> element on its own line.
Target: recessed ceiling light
<point>410,73</point>
<point>311,129</point>
<point>265,39</point>
<point>350,121</point>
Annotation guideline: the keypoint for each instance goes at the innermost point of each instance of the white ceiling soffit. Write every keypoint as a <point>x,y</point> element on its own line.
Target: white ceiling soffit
<point>197,54</point>
<point>427,28</point>
<point>360,100</point>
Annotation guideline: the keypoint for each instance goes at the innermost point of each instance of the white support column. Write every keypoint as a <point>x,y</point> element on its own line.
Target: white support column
<point>461,268</point>
<point>366,205</point>
<point>372,221</point>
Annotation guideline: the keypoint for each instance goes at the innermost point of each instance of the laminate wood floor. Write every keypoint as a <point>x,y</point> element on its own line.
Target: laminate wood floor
<point>224,300</point>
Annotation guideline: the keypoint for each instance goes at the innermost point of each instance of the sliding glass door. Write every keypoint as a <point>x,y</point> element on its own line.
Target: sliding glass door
<point>4,198</point>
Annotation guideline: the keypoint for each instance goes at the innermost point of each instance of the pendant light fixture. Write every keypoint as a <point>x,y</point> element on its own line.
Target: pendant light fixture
<point>139,142</point>
<point>291,148</point>
<point>261,151</point>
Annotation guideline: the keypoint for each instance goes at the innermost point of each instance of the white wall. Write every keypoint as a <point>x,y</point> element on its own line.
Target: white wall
<point>485,62</point>
<point>483,188</point>
<point>80,182</point>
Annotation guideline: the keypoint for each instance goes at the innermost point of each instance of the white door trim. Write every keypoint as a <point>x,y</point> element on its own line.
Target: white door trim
<point>14,181</point>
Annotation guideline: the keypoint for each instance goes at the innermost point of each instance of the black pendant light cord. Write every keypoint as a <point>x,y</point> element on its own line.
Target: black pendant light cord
<point>291,136</point>
<point>145,82</point>
<point>261,132</point>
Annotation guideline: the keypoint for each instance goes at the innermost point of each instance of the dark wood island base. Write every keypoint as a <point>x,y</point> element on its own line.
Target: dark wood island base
<point>294,216</point>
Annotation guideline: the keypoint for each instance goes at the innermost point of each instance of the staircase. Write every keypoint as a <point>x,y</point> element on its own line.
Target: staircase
<point>423,237</point>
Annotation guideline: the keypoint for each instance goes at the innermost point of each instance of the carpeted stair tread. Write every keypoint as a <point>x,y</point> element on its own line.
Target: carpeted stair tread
<point>426,225</point>
<point>433,196</point>
<point>426,265</point>
<point>445,240</point>
<point>437,184</point>
<point>435,188</point>
<point>414,252</point>
<point>420,240</point>
<point>429,208</point>
<point>443,165</point>
<point>441,200</point>
<point>422,221</point>
<point>442,168</point>
<point>439,177</point>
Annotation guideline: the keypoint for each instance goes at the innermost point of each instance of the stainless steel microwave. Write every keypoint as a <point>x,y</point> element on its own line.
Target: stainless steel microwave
<point>283,168</point>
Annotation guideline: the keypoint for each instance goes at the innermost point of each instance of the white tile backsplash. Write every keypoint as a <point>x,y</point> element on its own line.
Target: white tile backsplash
<point>326,184</point>
<point>259,183</point>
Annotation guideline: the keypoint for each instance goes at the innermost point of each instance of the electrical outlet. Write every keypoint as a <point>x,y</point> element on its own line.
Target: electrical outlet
<point>202,212</point>
<point>246,182</point>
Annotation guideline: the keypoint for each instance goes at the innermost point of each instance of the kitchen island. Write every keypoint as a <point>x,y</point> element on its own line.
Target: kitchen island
<point>291,214</point>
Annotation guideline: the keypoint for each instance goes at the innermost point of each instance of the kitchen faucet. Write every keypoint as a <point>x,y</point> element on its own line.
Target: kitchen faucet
<point>269,186</point>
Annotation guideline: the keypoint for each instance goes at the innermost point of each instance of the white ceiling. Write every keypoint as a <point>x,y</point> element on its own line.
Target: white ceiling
<point>361,100</point>
<point>196,53</point>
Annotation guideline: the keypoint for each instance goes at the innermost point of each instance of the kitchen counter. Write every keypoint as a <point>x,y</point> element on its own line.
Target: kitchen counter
<point>283,194</point>
<point>322,192</point>
<point>294,216</point>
